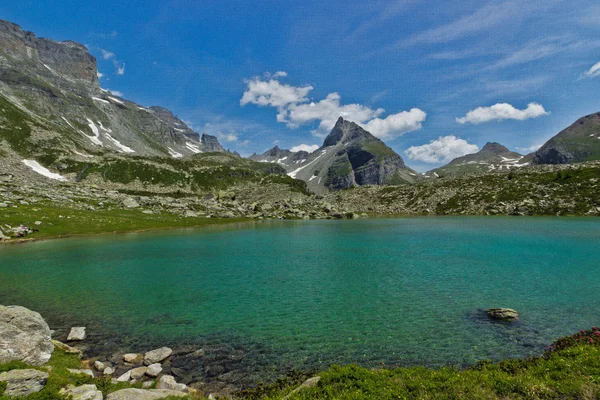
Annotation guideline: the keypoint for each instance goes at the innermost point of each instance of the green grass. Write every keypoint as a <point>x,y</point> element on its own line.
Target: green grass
<point>61,222</point>
<point>569,370</point>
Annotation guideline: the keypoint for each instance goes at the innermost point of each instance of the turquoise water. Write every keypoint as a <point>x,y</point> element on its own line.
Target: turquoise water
<point>306,294</point>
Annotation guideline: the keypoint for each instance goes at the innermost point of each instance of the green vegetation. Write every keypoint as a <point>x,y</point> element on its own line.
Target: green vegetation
<point>570,369</point>
<point>379,149</point>
<point>62,221</point>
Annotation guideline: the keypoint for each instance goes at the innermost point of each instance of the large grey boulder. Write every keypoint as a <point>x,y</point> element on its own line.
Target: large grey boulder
<point>23,382</point>
<point>143,394</point>
<point>156,356</point>
<point>84,392</point>
<point>24,336</point>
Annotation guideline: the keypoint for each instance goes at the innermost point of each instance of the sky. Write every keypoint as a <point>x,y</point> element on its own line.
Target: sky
<point>434,80</point>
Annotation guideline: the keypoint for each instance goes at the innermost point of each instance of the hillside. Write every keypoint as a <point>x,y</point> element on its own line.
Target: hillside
<point>492,157</point>
<point>577,143</point>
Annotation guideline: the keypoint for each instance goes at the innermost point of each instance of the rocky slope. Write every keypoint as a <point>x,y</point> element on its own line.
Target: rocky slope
<point>56,85</point>
<point>350,156</point>
<point>493,156</point>
<point>577,143</point>
<point>572,189</point>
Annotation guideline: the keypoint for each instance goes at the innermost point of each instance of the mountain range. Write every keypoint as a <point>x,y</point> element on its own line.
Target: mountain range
<point>54,112</point>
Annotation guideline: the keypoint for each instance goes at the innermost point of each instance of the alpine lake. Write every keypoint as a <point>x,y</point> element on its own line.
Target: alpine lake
<point>261,299</point>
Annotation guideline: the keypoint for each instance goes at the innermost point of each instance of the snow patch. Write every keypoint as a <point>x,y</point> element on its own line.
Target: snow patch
<point>174,154</point>
<point>193,147</point>
<point>295,172</point>
<point>115,100</point>
<point>101,100</point>
<point>36,167</point>
<point>122,148</point>
<point>96,138</point>
<point>82,155</point>
<point>179,130</point>
<point>312,177</point>
<point>280,161</point>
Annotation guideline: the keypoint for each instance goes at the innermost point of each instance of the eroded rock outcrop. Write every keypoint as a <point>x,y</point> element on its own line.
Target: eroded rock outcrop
<point>24,336</point>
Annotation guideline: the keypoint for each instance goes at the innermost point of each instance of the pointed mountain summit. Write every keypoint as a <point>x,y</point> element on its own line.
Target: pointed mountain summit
<point>493,156</point>
<point>577,143</point>
<point>351,156</point>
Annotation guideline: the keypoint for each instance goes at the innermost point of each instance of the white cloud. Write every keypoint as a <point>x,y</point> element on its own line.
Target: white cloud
<point>305,147</point>
<point>593,72</point>
<point>530,148</point>
<point>272,93</point>
<point>502,111</point>
<point>279,74</point>
<point>442,150</point>
<point>115,92</point>
<point>294,109</point>
<point>396,124</point>
<point>120,68</point>
<point>228,137</point>
<point>107,55</point>
<point>100,74</point>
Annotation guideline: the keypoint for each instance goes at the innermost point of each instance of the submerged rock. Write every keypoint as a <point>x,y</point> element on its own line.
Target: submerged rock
<point>505,314</point>
<point>23,382</point>
<point>77,333</point>
<point>25,336</point>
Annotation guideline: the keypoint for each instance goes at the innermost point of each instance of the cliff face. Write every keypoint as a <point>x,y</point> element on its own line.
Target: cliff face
<point>578,143</point>
<point>56,85</point>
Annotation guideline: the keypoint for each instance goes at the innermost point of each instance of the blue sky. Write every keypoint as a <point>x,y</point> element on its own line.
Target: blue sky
<point>411,71</point>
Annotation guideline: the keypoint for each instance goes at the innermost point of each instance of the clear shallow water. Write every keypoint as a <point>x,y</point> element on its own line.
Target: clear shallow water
<point>306,294</point>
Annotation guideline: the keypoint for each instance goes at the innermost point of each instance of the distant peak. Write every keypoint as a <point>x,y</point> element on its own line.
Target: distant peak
<point>495,147</point>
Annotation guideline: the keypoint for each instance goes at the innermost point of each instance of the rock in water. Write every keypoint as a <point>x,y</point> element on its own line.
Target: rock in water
<point>505,314</point>
<point>24,336</point>
<point>23,382</point>
<point>77,333</point>
<point>143,394</point>
<point>156,356</point>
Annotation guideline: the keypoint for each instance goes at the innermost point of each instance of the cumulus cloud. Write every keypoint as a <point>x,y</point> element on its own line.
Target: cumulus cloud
<point>442,150</point>
<point>100,74</point>
<point>107,55</point>
<point>294,109</point>
<point>502,111</point>
<point>305,147</point>
<point>228,137</point>
<point>593,72</point>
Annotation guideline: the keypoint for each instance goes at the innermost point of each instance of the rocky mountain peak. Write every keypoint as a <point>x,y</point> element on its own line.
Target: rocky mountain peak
<point>211,143</point>
<point>494,147</point>
<point>344,129</point>
<point>66,64</point>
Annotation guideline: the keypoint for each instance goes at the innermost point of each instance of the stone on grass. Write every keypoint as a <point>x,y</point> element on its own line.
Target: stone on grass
<point>24,336</point>
<point>99,365</point>
<point>81,371</point>
<point>168,382</point>
<point>83,392</point>
<point>23,382</point>
<point>157,355</point>
<point>307,384</point>
<point>143,394</point>
<point>77,333</point>
<point>66,348</point>
<point>125,377</point>
<point>109,371</point>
